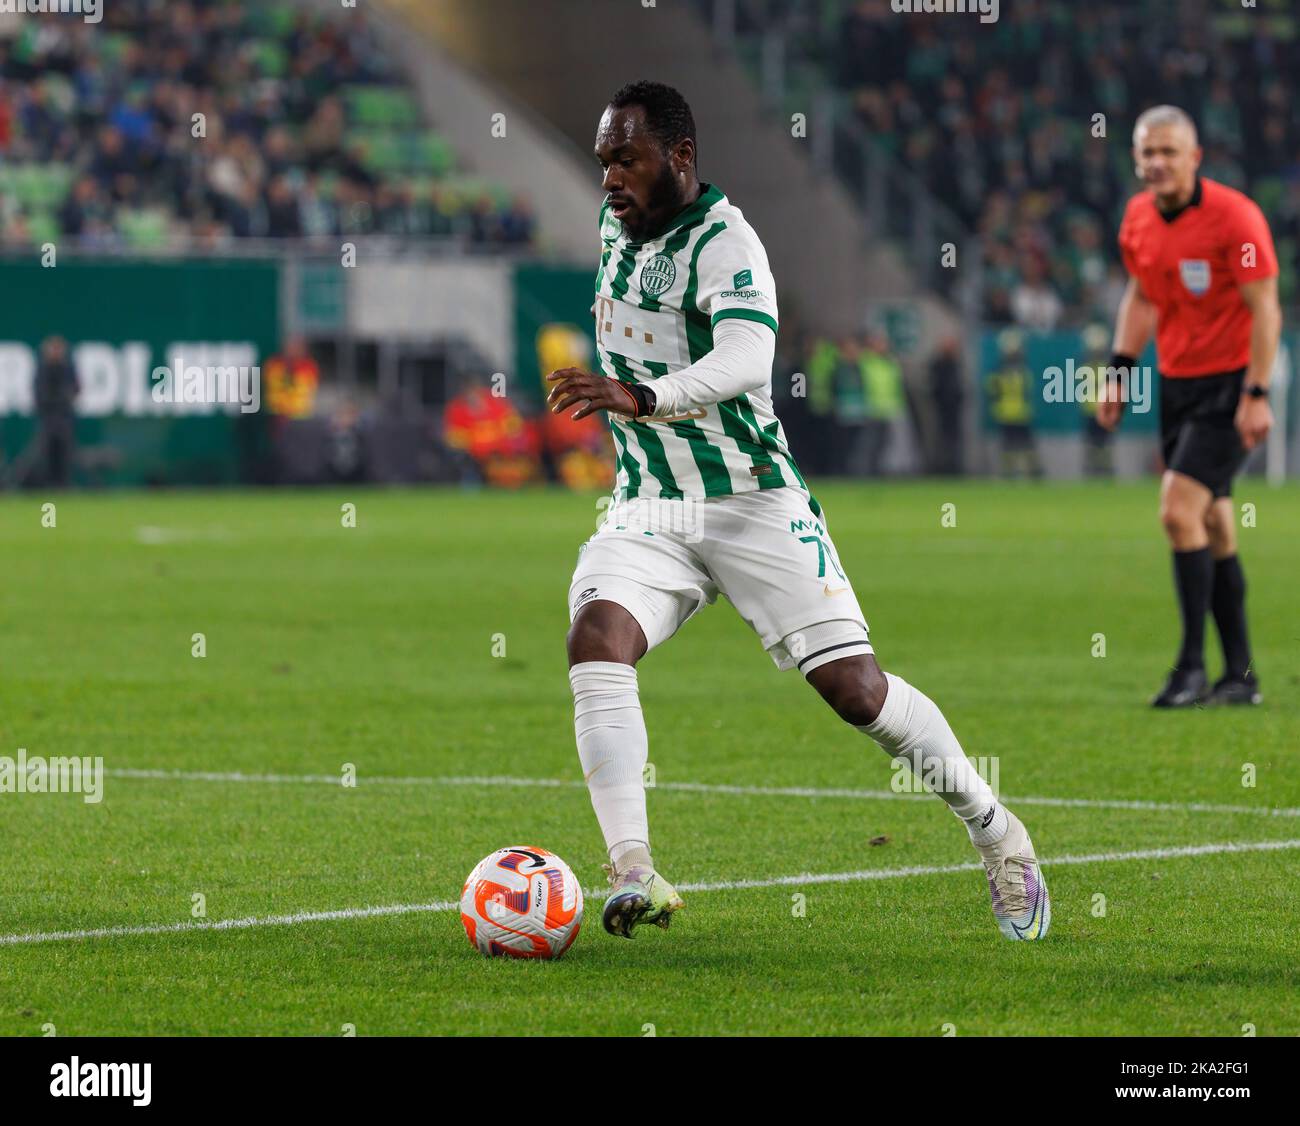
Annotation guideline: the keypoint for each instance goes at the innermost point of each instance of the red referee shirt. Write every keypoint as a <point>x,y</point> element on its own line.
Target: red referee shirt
<point>1190,266</point>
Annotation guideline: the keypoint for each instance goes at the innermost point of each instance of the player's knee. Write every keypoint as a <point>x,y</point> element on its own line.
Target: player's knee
<point>1178,520</point>
<point>1223,540</point>
<point>1222,543</point>
<point>596,636</point>
<point>587,642</point>
<point>856,691</point>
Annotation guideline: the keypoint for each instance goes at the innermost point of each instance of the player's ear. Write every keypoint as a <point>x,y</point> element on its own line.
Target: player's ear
<point>684,155</point>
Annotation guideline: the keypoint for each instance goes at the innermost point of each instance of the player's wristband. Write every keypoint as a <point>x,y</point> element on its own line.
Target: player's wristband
<point>643,396</point>
<point>1255,391</point>
<point>1122,363</point>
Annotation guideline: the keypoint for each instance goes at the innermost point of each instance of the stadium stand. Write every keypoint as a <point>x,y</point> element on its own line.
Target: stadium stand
<point>1001,132</point>
<point>305,132</point>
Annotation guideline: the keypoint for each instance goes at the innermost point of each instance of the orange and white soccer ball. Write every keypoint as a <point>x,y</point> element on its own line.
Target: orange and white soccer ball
<point>523,902</point>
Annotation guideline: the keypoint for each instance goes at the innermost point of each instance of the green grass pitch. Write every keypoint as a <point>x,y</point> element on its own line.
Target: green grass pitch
<point>374,646</point>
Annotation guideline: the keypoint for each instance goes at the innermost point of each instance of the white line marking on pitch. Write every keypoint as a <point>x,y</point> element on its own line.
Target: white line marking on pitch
<point>697,788</point>
<point>251,921</point>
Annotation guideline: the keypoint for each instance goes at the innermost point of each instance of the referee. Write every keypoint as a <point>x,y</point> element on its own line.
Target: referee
<point>1203,278</point>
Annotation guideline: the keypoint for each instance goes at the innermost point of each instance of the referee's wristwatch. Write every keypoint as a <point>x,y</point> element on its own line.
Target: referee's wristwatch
<point>1255,391</point>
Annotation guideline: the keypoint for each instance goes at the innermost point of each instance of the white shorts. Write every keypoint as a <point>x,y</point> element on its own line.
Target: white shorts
<point>765,551</point>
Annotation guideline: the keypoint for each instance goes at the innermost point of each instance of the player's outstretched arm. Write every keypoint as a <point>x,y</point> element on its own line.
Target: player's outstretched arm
<point>1134,327</point>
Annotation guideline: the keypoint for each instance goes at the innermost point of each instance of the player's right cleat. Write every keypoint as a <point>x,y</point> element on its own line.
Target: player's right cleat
<point>639,895</point>
<point>1185,688</point>
<point>1020,902</point>
<point>1235,690</point>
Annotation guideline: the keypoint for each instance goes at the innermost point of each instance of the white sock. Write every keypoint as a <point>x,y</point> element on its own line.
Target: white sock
<point>628,854</point>
<point>613,748</point>
<point>912,728</point>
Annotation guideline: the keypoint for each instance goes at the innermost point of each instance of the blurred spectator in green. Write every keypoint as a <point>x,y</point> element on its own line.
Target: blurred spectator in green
<point>823,359</point>
<point>885,404</point>
<point>850,411</point>
<point>1008,387</point>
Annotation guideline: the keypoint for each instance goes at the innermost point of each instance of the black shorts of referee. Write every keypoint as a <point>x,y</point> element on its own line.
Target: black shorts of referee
<point>1198,433</point>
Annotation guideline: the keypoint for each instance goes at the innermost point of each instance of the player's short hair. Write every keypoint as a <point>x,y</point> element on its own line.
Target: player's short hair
<point>1163,115</point>
<point>668,117</point>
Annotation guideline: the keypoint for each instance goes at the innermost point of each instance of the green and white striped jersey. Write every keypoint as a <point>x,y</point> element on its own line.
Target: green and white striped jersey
<point>656,305</point>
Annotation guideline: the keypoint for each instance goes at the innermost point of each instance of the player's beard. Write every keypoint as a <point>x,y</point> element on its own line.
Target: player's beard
<point>664,200</point>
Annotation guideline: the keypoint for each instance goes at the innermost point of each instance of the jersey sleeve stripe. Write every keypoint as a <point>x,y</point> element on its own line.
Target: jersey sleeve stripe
<point>745,315</point>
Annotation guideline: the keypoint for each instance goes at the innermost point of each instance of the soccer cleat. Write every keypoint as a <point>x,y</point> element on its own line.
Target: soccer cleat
<point>1235,690</point>
<point>640,895</point>
<point>1185,688</point>
<point>1020,901</point>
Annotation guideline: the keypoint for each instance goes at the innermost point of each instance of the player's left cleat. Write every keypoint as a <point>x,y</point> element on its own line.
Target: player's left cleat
<point>1185,688</point>
<point>1235,690</point>
<point>639,895</point>
<point>1020,901</point>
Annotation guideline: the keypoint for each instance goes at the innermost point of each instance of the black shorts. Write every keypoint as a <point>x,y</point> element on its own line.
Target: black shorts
<point>1197,432</point>
<point>1017,436</point>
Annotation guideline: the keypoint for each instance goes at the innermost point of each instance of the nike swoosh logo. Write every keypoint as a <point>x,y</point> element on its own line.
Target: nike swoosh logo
<point>826,590</point>
<point>587,777</point>
<point>1030,930</point>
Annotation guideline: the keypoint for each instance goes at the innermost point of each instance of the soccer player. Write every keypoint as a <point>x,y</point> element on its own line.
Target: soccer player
<point>708,500</point>
<point>1203,278</point>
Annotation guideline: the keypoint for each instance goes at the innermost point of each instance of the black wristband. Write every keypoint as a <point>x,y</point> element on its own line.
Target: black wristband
<point>645,398</point>
<point>1123,362</point>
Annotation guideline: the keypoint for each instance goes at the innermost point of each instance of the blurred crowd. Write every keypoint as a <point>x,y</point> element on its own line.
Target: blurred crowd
<point>852,406</point>
<point>1000,124</point>
<point>304,128</point>
<point>493,441</point>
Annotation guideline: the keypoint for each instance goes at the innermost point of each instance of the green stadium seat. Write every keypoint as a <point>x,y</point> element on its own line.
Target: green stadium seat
<point>381,151</point>
<point>381,106</point>
<point>29,186</point>
<point>59,178</point>
<point>432,153</point>
<point>43,227</point>
<point>145,229</point>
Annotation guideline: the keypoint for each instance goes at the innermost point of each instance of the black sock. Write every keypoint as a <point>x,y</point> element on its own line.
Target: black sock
<point>1229,604</point>
<point>1193,578</point>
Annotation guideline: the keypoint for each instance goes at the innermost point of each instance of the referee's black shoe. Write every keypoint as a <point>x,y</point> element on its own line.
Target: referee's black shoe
<point>1235,690</point>
<point>1185,688</point>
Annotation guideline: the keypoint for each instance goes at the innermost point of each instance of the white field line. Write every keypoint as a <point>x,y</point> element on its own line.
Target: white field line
<point>696,788</point>
<point>800,880</point>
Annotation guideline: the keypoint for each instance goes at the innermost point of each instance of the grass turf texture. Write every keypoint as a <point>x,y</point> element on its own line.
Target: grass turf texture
<point>374,646</point>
